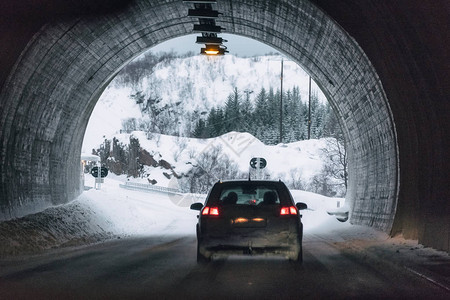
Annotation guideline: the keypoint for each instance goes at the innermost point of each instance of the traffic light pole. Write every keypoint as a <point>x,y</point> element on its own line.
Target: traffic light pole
<point>258,168</point>
<point>98,180</point>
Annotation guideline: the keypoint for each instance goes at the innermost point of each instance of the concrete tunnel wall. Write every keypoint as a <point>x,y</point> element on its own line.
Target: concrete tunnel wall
<point>54,84</point>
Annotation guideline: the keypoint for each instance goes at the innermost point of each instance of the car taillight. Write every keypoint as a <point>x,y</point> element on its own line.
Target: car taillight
<point>210,211</point>
<point>288,210</point>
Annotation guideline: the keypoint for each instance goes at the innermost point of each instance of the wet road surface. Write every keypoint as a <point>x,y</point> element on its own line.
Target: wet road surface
<point>164,267</point>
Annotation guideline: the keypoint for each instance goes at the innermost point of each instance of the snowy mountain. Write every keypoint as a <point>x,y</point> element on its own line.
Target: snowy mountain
<point>188,87</point>
<point>203,82</point>
<point>178,91</point>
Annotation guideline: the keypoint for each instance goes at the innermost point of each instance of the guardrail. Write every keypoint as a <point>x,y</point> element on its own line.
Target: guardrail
<point>148,187</point>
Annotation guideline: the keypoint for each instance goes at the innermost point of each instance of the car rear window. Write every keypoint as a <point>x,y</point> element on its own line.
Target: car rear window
<point>245,194</point>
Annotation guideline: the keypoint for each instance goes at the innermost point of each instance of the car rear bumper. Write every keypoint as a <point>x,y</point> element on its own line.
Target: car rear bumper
<point>286,244</point>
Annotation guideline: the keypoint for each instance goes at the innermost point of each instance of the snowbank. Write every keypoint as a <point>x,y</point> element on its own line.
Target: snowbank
<point>113,212</point>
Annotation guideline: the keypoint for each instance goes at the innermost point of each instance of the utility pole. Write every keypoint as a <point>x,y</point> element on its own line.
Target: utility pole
<point>281,104</point>
<point>309,109</point>
<point>247,93</point>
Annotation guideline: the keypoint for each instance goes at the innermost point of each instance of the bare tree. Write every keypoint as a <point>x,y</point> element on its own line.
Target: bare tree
<point>182,144</point>
<point>129,125</point>
<point>295,181</point>
<point>210,166</point>
<point>335,165</point>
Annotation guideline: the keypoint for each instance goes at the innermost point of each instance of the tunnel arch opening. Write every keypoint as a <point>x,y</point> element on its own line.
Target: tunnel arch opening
<point>53,88</point>
<point>169,92</point>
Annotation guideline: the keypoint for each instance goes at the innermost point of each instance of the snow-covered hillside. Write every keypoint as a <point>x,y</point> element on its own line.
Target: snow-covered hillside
<point>294,163</point>
<point>192,84</point>
<point>204,82</point>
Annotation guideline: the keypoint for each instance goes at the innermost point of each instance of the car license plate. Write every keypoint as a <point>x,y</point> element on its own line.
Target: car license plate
<point>249,222</point>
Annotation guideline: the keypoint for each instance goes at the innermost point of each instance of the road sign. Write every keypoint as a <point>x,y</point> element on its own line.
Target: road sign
<point>103,172</point>
<point>258,163</point>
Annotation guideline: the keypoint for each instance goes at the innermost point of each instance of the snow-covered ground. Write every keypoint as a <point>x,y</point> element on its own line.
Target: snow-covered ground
<point>132,213</point>
<point>99,215</point>
<point>126,213</point>
<point>113,212</point>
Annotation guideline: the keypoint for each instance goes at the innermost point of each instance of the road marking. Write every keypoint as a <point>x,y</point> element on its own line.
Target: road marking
<point>428,278</point>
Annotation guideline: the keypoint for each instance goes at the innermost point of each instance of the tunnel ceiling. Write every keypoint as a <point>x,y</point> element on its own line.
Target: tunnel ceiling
<point>66,55</point>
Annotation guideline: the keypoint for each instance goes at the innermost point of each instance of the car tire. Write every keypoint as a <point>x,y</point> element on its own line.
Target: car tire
<point>300,256</point>
<point>202,259</point>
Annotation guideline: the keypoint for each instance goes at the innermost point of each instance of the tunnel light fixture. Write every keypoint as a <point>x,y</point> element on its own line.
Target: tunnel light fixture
<point>203,10</point>
<point>213,50</point>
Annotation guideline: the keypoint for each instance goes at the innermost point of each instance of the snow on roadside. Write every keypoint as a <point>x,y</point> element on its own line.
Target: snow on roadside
<point>71,224</point>
<point>96,216</point>
<point>114,212</point>
<point>137,212</point>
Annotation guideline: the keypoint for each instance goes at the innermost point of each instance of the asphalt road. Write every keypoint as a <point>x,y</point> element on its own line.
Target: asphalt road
<point>164,267</point>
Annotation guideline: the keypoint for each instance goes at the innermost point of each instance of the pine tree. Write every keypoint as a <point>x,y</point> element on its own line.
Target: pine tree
<point>200,130</point>
<point>261,109</point>
<point>298,108</point>
<point>331,126</point>
<point>232,111</point>
<point>247,123</point>
<point>273,112</point>
<point>315,111</point>
<point>289,110</point>
<point>215,123</point>
<point>134,167</point>
<point>262,119</point>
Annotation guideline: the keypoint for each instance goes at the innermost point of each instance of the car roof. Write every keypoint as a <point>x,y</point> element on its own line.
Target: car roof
<point>249,180</point>
<point>220,186</point>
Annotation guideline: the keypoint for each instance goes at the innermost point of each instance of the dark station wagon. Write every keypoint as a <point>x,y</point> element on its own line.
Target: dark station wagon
<point>249,217</point>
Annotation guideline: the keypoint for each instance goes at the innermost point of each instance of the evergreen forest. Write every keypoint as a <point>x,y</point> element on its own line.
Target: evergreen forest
<point>262,118</point>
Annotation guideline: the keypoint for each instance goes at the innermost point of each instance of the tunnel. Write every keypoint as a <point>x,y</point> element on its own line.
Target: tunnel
<point>383,65</point>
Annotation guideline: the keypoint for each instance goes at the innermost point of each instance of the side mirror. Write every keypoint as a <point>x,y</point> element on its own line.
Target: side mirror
<point>301,206</point>
<point>197,206</point>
